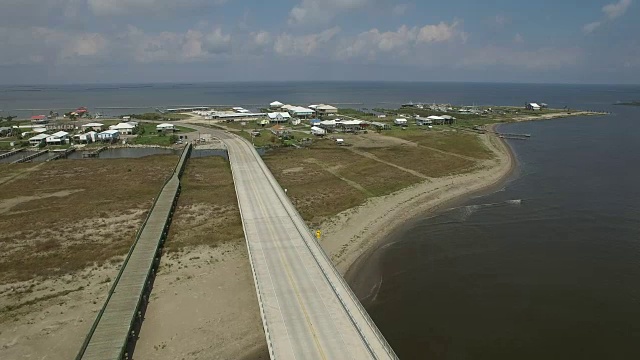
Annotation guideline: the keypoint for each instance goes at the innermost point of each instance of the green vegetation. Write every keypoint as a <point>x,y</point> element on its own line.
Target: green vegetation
<point>5,143</point>
<point>148,135</point>
<point>265,139</point>
<point>453,141</point>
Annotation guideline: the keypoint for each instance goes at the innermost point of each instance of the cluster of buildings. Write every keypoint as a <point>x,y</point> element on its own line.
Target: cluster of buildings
<point>320,110</point>
<point>88,133</point>
<point>43,119</point>
<point>275,113</point>
<point>434,107</point>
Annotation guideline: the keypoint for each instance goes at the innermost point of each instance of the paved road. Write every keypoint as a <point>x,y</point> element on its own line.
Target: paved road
<point>308,311</point>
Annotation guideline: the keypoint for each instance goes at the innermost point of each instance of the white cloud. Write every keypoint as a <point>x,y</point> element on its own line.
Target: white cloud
<point>441,32</point>
<point>591,27</point>
<point>518,38</point>
<point>501,20</point>
<point>615,10</point>
<point>42,44</point>
<point>192,45</point>
<point>126,7</point>
<point>610,12</point>
<point>400,9</point>
<point>261,38</point>
<point>322,11</point>
<point>291,45</point>
<point>373,42</point>
<point>90,44</point>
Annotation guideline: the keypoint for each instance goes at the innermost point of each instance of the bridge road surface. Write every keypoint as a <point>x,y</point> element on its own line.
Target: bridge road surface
<point>308,310</point>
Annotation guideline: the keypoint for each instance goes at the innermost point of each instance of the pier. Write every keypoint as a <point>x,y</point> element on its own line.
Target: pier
<point>10,153</point>
<point>95,153</point>
<point>30,157</point>
<point>513,136</point>
<point>114,331</point>
<point>62,155</point>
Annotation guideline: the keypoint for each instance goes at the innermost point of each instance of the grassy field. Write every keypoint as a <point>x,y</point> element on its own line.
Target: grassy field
<point>68,214</point>
<point>315,192</point>
<point>6,144</point>
<point>207,212</point>
<point>444,138</point>
<point>326,180</point>
<point>424,161</point>
<point>148,135</point>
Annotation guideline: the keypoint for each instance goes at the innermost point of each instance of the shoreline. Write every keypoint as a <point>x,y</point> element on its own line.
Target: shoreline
<point>353,236</point>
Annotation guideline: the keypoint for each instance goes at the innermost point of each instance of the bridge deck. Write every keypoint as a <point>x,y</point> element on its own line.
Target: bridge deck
<point>308,311</point>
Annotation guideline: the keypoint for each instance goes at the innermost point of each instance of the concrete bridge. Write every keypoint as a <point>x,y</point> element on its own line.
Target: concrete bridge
<point>308,311</point>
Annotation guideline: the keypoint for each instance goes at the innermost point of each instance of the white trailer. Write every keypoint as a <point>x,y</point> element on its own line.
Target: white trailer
<point>400,122</point>
<point>318,131</point>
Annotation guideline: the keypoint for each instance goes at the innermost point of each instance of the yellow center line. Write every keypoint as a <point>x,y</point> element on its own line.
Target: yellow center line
<point>288,272</point>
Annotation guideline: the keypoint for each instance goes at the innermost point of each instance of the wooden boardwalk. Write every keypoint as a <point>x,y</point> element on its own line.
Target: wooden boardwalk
<point>115,324</point>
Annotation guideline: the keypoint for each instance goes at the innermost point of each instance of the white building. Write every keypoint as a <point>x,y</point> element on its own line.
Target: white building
<point>423,121</point>
<point>57,138</point>
<point>328,124</point>
<point>318,131</point>
<point>278,117</point>
<point>350,125</point>
<point>38,139</point>
<point>95,126</point>
<point>302,112</point>
<point>123,128</point>
<point>400,122</point>
<point>165,127</point>
<point>533,106</point>
<point>109,135</point>
<point>276,105</point>
<point>86,138</point>
<point>323,109</point>
<point>240,110</point>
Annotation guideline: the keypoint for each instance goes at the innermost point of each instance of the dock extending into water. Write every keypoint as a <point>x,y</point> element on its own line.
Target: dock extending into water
<point>95,153</point>
<point>115,329</point>
<point>513,136</point>
<point>10,153</point>
<point>62,155</point>
<point>30,157</point>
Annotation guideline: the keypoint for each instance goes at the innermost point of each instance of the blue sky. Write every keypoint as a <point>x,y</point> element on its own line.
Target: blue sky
<point>113,41</point>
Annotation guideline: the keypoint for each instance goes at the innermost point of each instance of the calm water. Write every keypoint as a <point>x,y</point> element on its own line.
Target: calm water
<point>546,268</point>
<point>123,99</point>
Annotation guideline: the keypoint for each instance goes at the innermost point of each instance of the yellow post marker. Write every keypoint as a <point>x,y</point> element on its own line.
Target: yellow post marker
<point>318,234</point>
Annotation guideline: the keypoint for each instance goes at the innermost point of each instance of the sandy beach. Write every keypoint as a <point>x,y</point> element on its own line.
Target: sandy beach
<point>352,233</point>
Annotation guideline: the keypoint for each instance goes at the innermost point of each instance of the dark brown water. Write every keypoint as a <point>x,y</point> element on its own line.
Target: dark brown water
<point>546,268</point>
